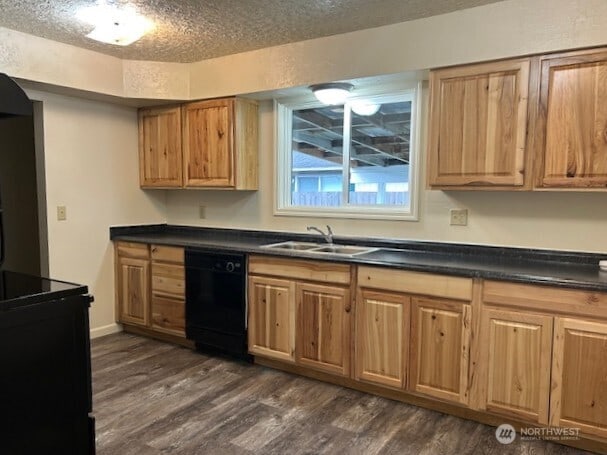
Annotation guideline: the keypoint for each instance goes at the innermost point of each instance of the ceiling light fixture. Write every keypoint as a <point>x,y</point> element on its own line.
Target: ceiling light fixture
<point>114,25</point>
<point>331,93</point>
<point>365,108</point>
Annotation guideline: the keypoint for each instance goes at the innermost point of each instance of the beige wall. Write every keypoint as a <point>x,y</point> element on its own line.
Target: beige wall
<point>92,169</point>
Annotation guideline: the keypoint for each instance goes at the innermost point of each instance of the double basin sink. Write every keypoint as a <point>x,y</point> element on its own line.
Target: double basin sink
<point>320,248</point>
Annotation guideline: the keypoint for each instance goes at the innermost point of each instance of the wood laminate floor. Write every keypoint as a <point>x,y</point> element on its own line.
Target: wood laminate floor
<point>152,398</point>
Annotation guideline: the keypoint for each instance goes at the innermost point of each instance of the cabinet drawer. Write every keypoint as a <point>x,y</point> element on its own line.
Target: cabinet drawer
<point>132,250</point>
<point>167,254</point>
<point>546,298</point>
<point>168,315</point>
<point>415,283</point>
<point>326,272</point>
<point>168,280</point>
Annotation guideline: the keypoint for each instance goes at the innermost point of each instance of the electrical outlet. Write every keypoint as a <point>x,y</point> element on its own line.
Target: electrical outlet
<point>202,212</point>
<point>459,217</point>
<point>61,213</point>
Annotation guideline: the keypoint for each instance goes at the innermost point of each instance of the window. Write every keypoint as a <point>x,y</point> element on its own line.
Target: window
<point>356,160</point>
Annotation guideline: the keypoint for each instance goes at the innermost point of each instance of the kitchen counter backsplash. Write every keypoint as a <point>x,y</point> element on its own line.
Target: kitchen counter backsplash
<point>558,268</point>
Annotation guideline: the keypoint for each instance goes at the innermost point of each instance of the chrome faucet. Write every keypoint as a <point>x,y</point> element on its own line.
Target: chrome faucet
<point>328,236</point>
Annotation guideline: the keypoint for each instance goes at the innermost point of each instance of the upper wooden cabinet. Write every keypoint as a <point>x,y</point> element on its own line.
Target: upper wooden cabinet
<point>220,144</point>
<point>478,124</point>
<point>160,163</point>
<point>203,144</point>
<point>571,137</point>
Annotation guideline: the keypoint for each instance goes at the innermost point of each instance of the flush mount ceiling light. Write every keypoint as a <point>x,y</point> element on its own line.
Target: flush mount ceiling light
<point>113,25</point>
<point>365,108</point>
<point>332,92</point>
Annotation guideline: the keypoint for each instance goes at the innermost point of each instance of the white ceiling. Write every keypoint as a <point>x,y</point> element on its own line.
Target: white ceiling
<point>190,30</point>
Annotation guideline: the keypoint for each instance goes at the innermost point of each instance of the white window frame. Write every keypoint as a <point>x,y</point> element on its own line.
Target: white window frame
<point>283,110</point>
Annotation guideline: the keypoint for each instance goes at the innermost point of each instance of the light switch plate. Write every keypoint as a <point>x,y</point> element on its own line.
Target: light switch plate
<point>458,217</point>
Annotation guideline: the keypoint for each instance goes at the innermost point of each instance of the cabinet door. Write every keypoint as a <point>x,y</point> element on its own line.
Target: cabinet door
<point>478,121</point>
<point>271,327</point>
<point>572,142</point>
<point>323,327</point>
<point>579,376</point>
<point>440,347</point>
<point>132,289</point>
<point>517,351</point>
<point>382,337</point>
<point>160,154</point>
<point>208,143</point>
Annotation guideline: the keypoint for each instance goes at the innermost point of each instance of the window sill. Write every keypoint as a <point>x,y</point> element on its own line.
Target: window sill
<point>349,213</point>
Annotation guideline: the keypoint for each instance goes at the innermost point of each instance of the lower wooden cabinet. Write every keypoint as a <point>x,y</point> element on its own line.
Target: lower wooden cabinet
<point>168,290</point>
<point>382,337</point>
<point>517,358</point>
<point>150,288</point>
<point>133,280</point>
<point>440,347</point>
<point>271,327</point>
<point>579,376</point>
<point>323,327</point>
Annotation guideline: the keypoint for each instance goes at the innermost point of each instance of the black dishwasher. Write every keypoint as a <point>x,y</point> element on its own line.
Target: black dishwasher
<point>215,304</point>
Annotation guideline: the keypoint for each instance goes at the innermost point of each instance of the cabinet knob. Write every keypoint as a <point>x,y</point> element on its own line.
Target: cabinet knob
<point>348,308</point>
<point>154,249</point>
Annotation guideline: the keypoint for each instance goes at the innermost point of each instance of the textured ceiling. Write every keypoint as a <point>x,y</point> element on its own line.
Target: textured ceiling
<point>189,30</point>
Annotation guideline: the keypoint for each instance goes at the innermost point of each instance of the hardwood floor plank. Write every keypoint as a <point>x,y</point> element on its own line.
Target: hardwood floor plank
<point>154,398</point>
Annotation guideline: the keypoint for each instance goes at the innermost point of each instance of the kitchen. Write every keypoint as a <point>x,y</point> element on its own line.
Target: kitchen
<point>95,174</point>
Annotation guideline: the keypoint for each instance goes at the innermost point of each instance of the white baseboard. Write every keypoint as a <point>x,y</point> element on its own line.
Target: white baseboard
<point>105,330</point>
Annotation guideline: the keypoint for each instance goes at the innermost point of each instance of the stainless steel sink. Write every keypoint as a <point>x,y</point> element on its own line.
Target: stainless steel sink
<point>320,248</point>
<point>299,246</point>
<point>343,249</point>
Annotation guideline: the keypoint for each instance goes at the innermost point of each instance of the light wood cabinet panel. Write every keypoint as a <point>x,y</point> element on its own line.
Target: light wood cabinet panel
<point>168,315</point>
<point>382,337</point>
<point>440,349</point>
<point>220,144</point>
<point>168,280</point>
<point>478,125</point>
<point>300,269</point>
<point>271,319</point>
<point>517,353</point>
<point>387,279</point>
<point>168,290</point>
<point>323,327</point>
<point>160,154</point>
<point>579,376</point>
<point>132,290</point>
<point>165,253</point>
<point>572,132</point>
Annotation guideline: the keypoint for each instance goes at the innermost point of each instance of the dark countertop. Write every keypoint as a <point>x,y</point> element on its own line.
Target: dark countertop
<point>18,290</point>
<point>556,268</point>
